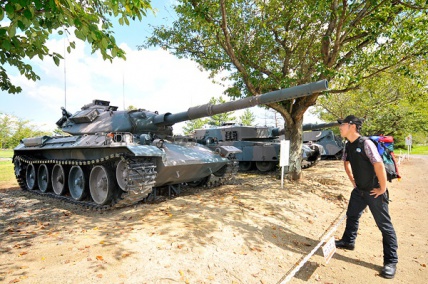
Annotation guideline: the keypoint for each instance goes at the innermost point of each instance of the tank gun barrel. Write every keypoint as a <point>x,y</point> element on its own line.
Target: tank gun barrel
<point>317,126</point>
<point>271,97</point>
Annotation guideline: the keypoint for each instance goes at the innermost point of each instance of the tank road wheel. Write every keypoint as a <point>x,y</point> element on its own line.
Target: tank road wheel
<point>43,178</point>
<point>245,166</point>
<point>59,179</point>
<point>122,175</point>
<point>30,176</point>
<point>101,185</point>
<point>265,166</point>
<point>77,183</point>
<point>198,182</point>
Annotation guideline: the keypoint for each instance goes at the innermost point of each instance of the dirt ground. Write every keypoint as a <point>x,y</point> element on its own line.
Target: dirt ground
<point>252,232</point>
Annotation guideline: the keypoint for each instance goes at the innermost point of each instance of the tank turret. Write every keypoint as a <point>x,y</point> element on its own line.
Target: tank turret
<point>318,133</point>
<point>115,158</point>
<point>99,116</point>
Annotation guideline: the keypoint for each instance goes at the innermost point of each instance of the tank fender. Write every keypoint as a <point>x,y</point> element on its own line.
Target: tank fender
<point>146,151</point>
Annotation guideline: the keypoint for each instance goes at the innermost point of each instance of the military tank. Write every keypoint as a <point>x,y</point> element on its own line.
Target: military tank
<point>333,144</point>
<point>259,145</point>
<point>113,158</point>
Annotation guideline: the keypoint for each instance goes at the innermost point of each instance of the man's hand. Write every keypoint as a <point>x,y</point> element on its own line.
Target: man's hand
<point>377,192</point>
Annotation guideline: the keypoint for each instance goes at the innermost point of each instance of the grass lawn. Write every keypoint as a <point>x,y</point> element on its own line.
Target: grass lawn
<point>7,153</point>
<point>7,176</point>
<point>419,150</point>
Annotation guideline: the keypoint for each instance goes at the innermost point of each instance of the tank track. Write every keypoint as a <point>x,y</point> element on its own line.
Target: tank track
<point>228,177</point>
<point>142,175</point>
<point>309,164</point>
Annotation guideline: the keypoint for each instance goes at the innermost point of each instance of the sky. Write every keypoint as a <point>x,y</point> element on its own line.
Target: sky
<point>151,79</point>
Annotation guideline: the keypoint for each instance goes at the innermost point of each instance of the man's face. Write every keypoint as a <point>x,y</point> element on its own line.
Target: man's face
<point>345,129</point>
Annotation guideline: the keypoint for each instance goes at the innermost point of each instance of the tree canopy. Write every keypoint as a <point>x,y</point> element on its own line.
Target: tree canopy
<point>27,24</point>
<point>391,104</point>
<point>269,45</point>
<point>247,118</point>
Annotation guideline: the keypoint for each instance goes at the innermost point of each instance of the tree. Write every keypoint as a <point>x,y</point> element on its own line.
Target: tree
<point>29,23</point>
<point>218,119</point>
<point>391,104</point>
<point>5,130</point>
<point>191,125</point>
<point>247,118</point>
<point>14,129</point>
<point>269,45</point>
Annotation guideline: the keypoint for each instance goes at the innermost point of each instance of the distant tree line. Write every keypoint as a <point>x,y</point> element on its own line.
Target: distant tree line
<point>14,129</point>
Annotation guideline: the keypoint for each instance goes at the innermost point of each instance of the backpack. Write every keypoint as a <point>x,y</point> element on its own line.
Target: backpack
<point>385,147</point>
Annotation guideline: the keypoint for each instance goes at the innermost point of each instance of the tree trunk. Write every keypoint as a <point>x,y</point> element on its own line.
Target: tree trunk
<point>293,132</point>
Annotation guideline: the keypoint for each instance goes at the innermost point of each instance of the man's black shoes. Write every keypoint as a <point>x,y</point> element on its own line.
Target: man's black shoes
<point>388,270</point>
<point>344,245</point>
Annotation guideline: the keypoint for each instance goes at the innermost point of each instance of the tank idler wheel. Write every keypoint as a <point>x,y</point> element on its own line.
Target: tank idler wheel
<point>101,185</point>
<point>221,172</point>
<point>77,183</point>
<point>122,175</point>
<point>245,166</point>
<point>18,167</point>
<point>59,178</point>
<point>43,178</point>
<point>265,166</point>
<point>30,176</point>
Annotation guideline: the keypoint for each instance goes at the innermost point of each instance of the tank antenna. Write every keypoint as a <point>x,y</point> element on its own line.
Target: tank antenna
<point>123,90</point>
<point>65,74</point>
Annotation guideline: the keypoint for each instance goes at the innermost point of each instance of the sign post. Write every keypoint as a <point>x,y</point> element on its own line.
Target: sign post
<point>409,144</point>
<point>284,158</point>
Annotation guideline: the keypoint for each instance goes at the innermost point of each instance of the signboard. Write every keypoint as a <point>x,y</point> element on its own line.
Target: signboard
<point>284,153</point>
<point>409,140</point>
<point>329,249</point>
<point>284,158</point>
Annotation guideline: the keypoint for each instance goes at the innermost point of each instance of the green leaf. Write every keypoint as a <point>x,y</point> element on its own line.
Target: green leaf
<point>79,35</point>
<point>12,30</point>
<point>104,43</point>
<point>56,60</point>
<point>5,45</point>
<point>10,10</point>
<point>28,14</point>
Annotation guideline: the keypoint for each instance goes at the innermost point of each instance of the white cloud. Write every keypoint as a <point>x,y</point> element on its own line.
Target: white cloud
<point>150,79</point>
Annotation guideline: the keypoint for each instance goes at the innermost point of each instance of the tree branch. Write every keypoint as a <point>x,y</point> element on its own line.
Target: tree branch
<point>229,50</point>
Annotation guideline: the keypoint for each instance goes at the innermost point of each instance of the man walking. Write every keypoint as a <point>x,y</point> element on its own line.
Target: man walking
<point>366,171</point>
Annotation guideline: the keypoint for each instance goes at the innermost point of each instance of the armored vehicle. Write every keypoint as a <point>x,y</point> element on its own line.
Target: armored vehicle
<point>333,144</point>
<point>260,145</point>
<point>115,158</point>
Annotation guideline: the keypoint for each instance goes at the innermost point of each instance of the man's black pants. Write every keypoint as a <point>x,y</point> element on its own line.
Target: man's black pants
<point>379,207</point>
